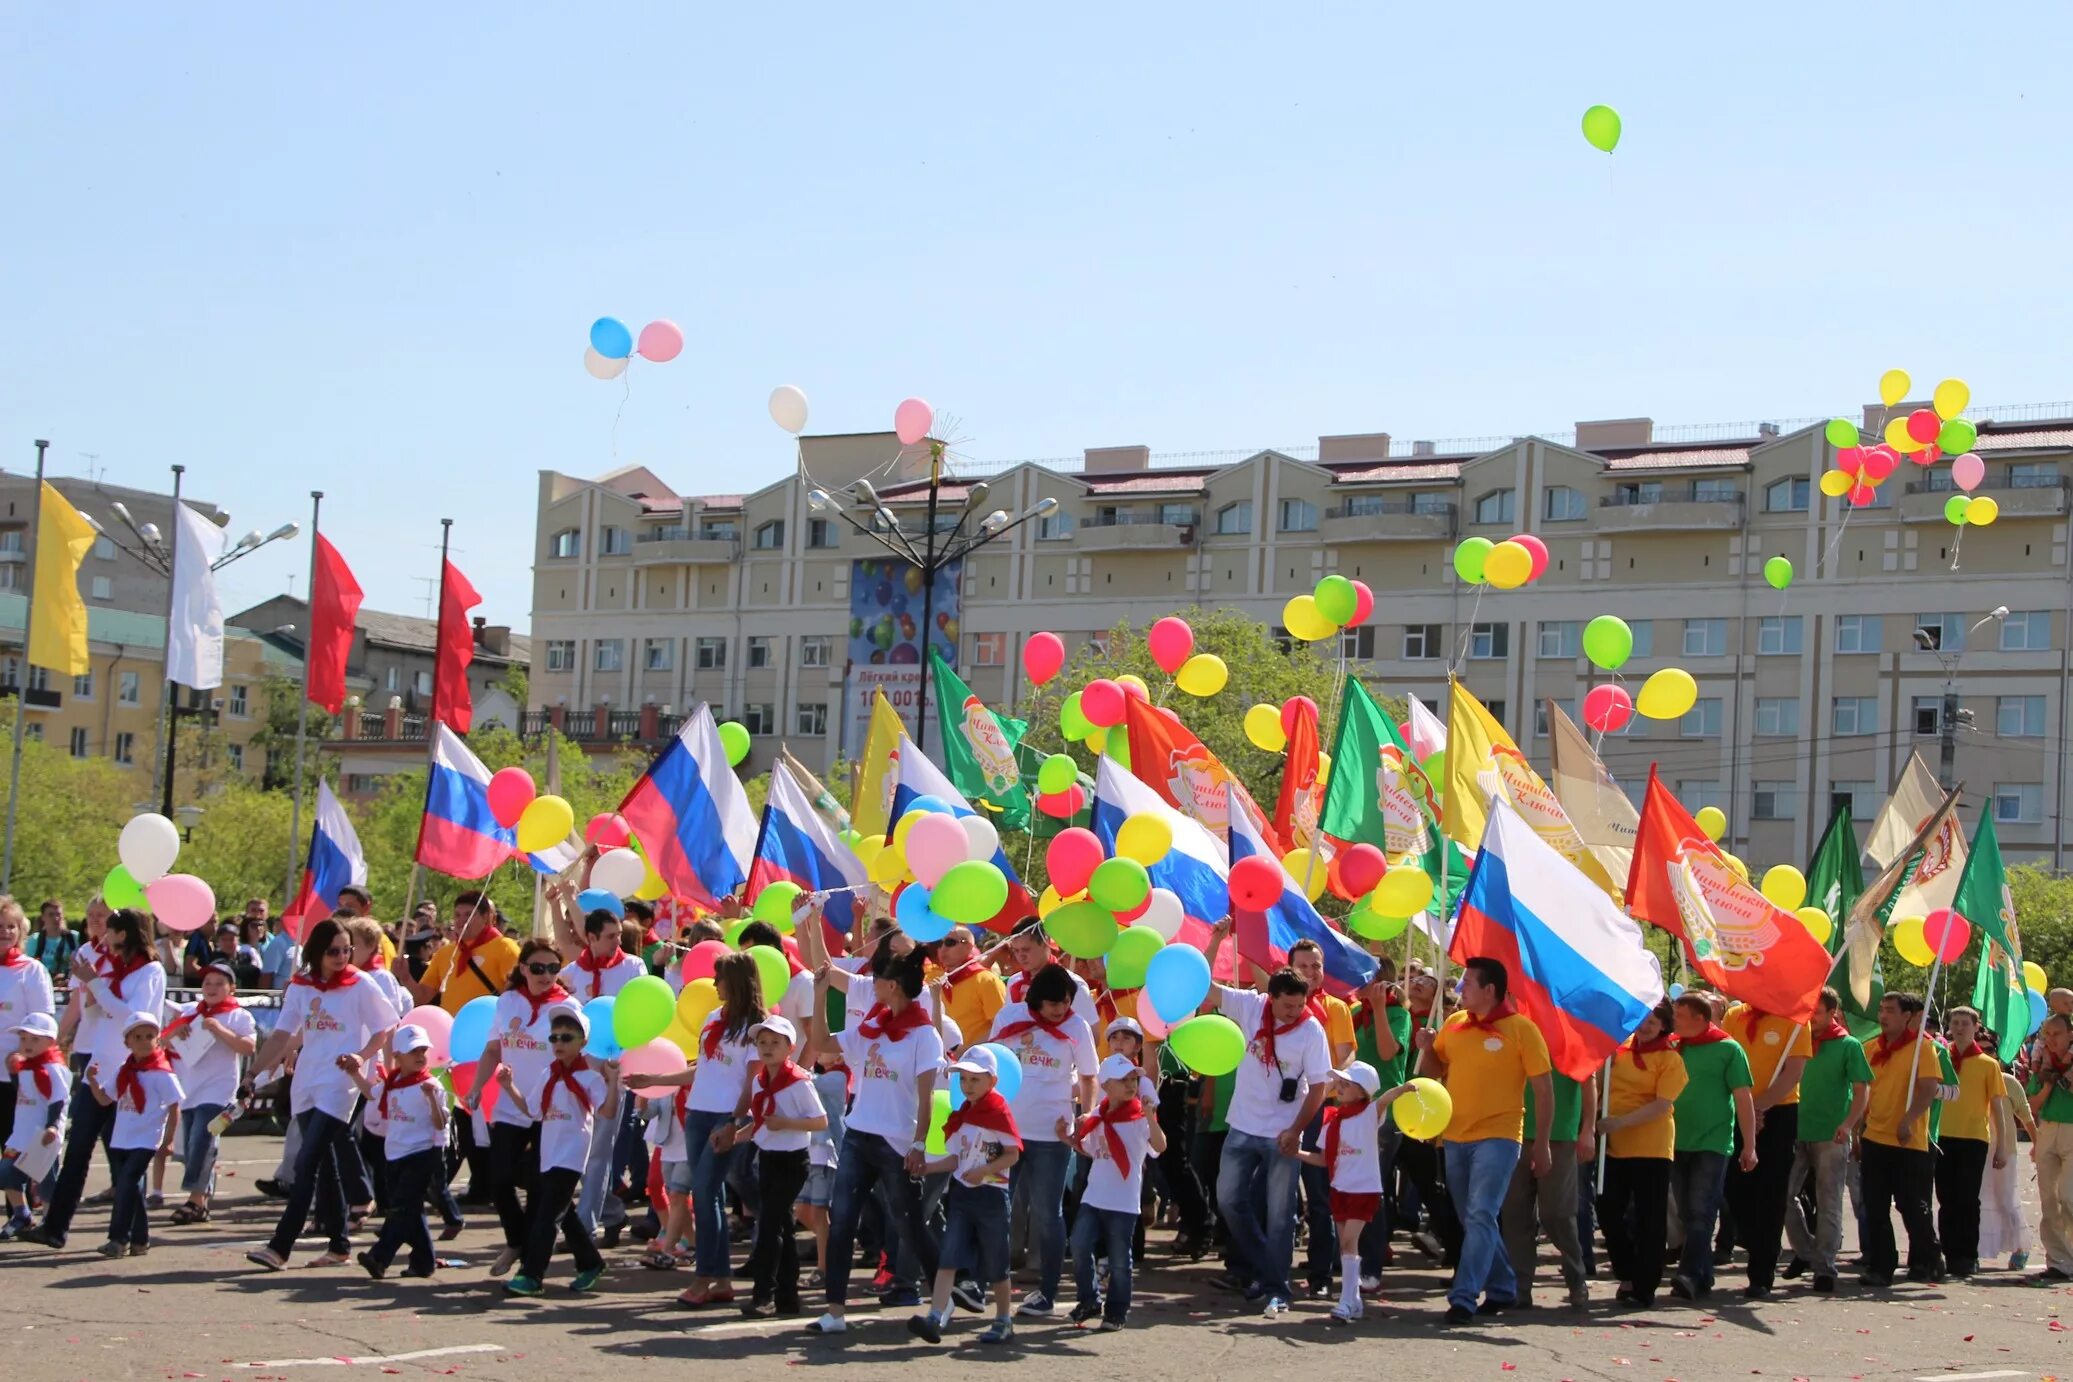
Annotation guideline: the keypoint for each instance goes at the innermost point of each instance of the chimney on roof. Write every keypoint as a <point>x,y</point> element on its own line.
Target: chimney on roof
<point>1613,433</point>
<point>1767,429</point>
<point>1424,448</point>
<point>1354,446</point>
<point>1117,460</point>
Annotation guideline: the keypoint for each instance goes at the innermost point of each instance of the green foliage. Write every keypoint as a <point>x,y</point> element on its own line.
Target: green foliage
<point>71,811</point>
<point>279,699</point>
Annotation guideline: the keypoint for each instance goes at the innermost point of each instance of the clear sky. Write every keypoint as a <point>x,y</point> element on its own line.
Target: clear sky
<point>358,247</point>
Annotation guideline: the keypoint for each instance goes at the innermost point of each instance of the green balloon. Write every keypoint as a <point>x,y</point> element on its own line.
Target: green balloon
<point>734,737</point>
<point>1841,432</point>
<point>1083,930</point>
<point>1469,556</point>
<point>939,1114</point>
<point>1056,773</point>
<point>1336,599</point>
<point>1602,128</point>
<point>1435,766</point>
<point>775,972</point>
<point>852,838</point>
<point>1071,723</point>
<point>1121,885</point>
<point>1130,954</point>
<point>1608,642</point>
<point>119,890</point>
<point>642,1011</point>
<point>1373,926</point>
<point>1957,437</point>
<point>971,893</point>
<point>774,904</point>
<point>731,932</point>
<point>1208,1045</point>
<point>1778,571</point>
<point>1954,507</point>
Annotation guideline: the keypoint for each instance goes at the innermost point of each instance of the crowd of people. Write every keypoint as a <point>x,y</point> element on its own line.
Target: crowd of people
<point>1715,1129</point>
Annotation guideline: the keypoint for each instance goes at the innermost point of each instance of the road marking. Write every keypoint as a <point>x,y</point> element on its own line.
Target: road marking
<point>798,1323</point>
<point>1970,1376</point>
<point>377,1358</point>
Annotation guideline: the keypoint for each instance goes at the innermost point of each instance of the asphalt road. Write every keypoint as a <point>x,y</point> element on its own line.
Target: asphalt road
<point>193,1309</point>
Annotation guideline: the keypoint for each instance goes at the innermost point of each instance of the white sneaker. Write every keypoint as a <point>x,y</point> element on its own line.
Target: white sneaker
<point>1276,1308</point>
<point>506,1260</point>
<point>830,1324</point>
<point>1346,1312</point>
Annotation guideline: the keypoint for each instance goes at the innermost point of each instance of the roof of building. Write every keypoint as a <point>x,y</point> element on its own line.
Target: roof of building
<point>412,634</point>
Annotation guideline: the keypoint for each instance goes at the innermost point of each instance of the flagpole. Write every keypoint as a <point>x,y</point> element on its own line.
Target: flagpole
<point>168,722</point>
<point>430,721</point>
<point>21,693</point>
<point>302,703</point>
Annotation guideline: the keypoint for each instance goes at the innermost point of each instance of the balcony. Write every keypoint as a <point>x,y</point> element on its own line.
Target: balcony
<point>680,547</point>
<point>1138,532</point>
<point>1669,508</point>
<point>2021,496</point>
<point>1381,518</point>
<point>601,725</point>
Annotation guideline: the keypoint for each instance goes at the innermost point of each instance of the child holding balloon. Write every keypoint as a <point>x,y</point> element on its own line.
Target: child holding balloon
<point>1348,1149</point>
<point>569,1100</point>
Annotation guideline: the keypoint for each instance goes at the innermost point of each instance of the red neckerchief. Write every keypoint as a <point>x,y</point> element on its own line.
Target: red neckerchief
<point>201,1010</point>
<point>1714,1032</point>
<point>1881,1051</point>
<point>1640,1048</point>
<point>768,1087</point>
<point>1959,1057</point>
<point>1497,1015</point>
<point>559,1074</point>
<point>588,962</point>
<point>464,951</point>
<point>1332,1118</point>
<point>990,1112</point>
<point>1106,1118</point>
<point>1018,984</point>
<point>1268,1031</point>
<point>344,979</point>
<point>715,1031</point>
<point>882,1021</point>
<point>682,1102</point>
<point>389,1082</point>
<point>555,994</point>
<point>114,970</point>
<point>968,970</point>
<point>128,1079</point>
<point>11,958</point>
<point>1031,1023</point>
<point>37,1068</point>
<point>1314,1005</point>
<point>1834,1029</point>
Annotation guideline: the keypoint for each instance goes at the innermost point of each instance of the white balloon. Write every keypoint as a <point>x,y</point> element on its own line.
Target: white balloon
<point>788,408</point>
<point>619,871</point>
<point>1163,913</point>
<point>981,839</point>
<point>148,846</point>
<point>600,367</point>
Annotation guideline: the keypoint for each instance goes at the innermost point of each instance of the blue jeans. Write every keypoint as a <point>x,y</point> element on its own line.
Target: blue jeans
<point>1262,1229</point>
<point>1698,1180</point>
<point>1097,1231</point>
<point>1038,1180</point>
<point>594,1203</point>
<point>198,1148</point>
<point>1478,1175</point>
<point>316,1184</point>
<point>129,1224</point>
<point>92,1122</point>
<point>868,1160</point>
<point>708,1192</point>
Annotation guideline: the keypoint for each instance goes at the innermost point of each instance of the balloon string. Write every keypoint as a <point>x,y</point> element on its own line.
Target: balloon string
<point>1957,546</point>
<point>1835,542</point>
<point>1468,632</point>
<point>626,392</point>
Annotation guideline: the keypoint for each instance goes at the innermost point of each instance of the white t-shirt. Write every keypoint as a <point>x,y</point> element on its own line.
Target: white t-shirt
<point>724,1074</point>
<point>1083,1005</point>
<point>974,1147</point>
<point>1049,1069</point>
<point>390,989</point>
<point>32,1110</point>
<point>143,991</point>
<point>24,989</point>
<point>664,1131</point>
<point>1358,1168</point>
<point>1113,1187</point>
<point>522,1037</point>
<point>607,982</point>
<point>888,1075</point>
<point>136,1128</point>
<point>798,1100</point>
<point>822,1147</point>
<point>340,1022</point>
<point>409,1127</point>
<point>565,1125</point>
<point>796,1007</point>
<point>90,1015</point>
<point>208,1069</point>
<point>1303,1055</point>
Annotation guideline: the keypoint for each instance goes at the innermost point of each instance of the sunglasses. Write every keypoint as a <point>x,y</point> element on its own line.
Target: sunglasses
<point>342,952</point>
<point>565,1038</point>
<point>949,941</point>
<point>538,968</point>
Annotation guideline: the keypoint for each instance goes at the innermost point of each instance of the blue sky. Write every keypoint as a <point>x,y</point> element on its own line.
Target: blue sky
<point>359,250</point>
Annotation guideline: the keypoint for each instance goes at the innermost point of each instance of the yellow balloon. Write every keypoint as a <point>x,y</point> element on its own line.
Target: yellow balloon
<point>1667,694</point>
<point>1204,674</point>
<point>1145,838</point>
<point>1897,437</point>
<point>546,823</point>
<point>889,867</point>
<point>1424,1110</point>
<point>1734,861</point>
<point>1508,566</point>
<point>1713,821</point>
<point>1835,483</point>
<point>1817,923</point>
<point>1402,892</point>
<point>1910,943</point>
<point>1049,902</point>
<point>867,850</point>
<point>1950,398</point>
<point>651,886</point>
<point>1301,618</point>
<point>1097,741</point>
<point>903,827</point>
<point>696,1003</point>
<point>1133,679</point>
<point>1263,727</point>
<point>1297,863</point>
<point>2034,974</point>
<point>685,1039</point>
<point>1983,509</point>
<point>1785,886</point>
<point>1893,386</point>
<point>1324,767</point>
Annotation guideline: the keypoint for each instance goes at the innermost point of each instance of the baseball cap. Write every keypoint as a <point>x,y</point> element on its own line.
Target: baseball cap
<point>1117,1068</point>
<point>1126,1024</point>
<point>1362,1074</point>
<point>570,1011</point>
<point>410,1037</point>
<point>978,1061</point>
<point>780,1025</point>
<point>37,1024</point>
<point>222,967</point>
<point>139,1019</point>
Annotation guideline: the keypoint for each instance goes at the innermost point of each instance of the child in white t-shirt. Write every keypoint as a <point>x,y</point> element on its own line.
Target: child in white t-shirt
<point>1349,1148</point>
<point>784,1113</point>
<point>1115,1139</point>
<point>407,1110</point>
<point>43,1087</point>
<point>980,1143</point>
<point>145,1093</point>
<point>569,1100</point>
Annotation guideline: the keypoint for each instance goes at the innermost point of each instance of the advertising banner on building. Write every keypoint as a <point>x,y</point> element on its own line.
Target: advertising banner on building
<point>887,606</point>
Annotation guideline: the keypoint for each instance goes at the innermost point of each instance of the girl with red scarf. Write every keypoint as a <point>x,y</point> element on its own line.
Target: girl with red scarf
<point>24,989</point>
<point>43,1084</point>
<point>144,1092</point>
<point>981,1144</point>
<point>784,1112</point>
<point>1349,1152</point>
<point>206,1039</point>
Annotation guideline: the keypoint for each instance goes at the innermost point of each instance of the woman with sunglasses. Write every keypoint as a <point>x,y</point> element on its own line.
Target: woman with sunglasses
<point>519,1027</point>
<point>338,1015</point>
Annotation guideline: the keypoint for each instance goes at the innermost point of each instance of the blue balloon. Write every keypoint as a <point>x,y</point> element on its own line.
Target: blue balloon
<point>936,804</point>
<point>598,900</point>
<point>1177,980</point>
<point>471,1029</point>
<point>2038,1011</point>
<point>1009,1081</point>
<point>610,338</point>
<point>599,1013</point>
<point>1677,990</point>
<point>917,918</point>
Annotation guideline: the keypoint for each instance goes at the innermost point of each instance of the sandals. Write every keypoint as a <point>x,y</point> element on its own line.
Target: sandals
<point>191,1213</point>
<point>267,1258</point>
<point>659,1262</point>
<point>330,1259</point>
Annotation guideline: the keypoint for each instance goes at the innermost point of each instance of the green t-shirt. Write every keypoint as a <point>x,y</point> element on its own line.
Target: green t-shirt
<point>2057,1106</point>
<point>1569,1109</point>
<point>1825,1086</point>
<point>1706,1109</point>
<point>1949,1076</point>
<point>1220,1100</point>
<point>1365,1047</point>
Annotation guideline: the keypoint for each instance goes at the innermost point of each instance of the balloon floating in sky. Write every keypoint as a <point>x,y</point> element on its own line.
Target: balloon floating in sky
<point>788,408</point>
<point>1602,128</point>
<point>612,345</point>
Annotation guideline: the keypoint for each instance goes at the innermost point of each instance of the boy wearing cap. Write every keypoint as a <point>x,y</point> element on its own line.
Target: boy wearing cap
<point>784,1112</point>
<point>407,1109</point>
<point>42,1086</point>
<point>1115,1139</point>
<point>206,1040</point>
<point>145,1093</point>
<point>980,1144</point>
<point>568,1100</point>
<point>1349,1151</point>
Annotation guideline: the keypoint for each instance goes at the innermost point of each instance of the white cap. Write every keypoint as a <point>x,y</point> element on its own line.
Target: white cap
<point>1362,1074</point>
<point>780,1025</point>
<point>410,1037</point>
<point>953,1035</point>
<point>979,1060</point>
<point>140,1019</point>
<point>1126,1024</point>
<point>573,1012</point>
<point>1118,1068</point>
<point>37,1024</point>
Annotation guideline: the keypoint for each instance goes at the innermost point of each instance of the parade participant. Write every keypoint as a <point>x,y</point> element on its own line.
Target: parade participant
<point>980,1145</point>
<point>1056,1049</point>
<point>784,1113</point>
<point>1777,1050</point>
<point>1639,1127</point>
<point>143,1092</point>
<point>43,1085</point>
<point>54,942</point>
<point>1715,1107</point>
<point>474,962</point>
<point>1306,958</point>
<point>566,1099</point>
<point>407,1109</point>
<point>207,1040</point>
<point>2002,1232</point>
<point>2050,1096</point>
<point>521,1026</point>
<point>797,1001</point>
<point>822,1152</point>
<point>1487,1054</point>
<point>1835,1090</point>
<point>1966,1143</point>
<point>1349,1153</point>
<point>973,992</point>
<point>24,989</point>
<point>1549,1202</point>
<point>1028,949</point>
<point>370,959</point>
<point>1440,1238</point>
<point>600,968</point>
<point>1897,1167</point>
<point>1382,1038</point>
<point>1115,1138</point>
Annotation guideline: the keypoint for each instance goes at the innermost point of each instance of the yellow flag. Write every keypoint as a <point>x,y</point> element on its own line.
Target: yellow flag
<point>57,617</point>
<point>871,812</point>
<point>1483,762</point>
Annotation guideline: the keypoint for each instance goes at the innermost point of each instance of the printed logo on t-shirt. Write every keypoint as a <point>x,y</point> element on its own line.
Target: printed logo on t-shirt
<point>1770,1038</point>
<point>521,1038</point>
<point>875,1067</point>
<point>1034,1054</point>
<point>318,1020</point>
<point>1493,1043</point>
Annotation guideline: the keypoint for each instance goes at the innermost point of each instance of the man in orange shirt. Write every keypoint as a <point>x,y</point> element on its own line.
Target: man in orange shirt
<point>1778,1050</point>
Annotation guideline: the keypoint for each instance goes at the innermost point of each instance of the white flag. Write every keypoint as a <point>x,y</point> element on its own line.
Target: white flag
<point>194,632</point>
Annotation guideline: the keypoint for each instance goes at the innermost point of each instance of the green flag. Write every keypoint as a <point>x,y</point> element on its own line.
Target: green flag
<point>1834,879</point>
<point>978,748</point>
<point>1378,794</point>
<point>2000,993</point>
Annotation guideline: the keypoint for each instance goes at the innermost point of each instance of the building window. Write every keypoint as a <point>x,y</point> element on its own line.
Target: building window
<point>1183,516</point>
<point>240,703</point>
<point>1860,799</point>
<point>1702,721</point>
<point>989,650</point>
<point>813,650</point>
<point>1564,505</point>
<point>1928,716</point>
<point>1851,715</point>
<point>125,747</point>
<point>101,588</point>
<point>126,688</point>
<point>1858,633</point>
<point>810,719</point>
<point>769,536</point>
<point>393,680</point>
<point>2018,803</point>
<point>2033,474</point>
<point>606,654</point>
<point>1644,631</point>
<point>1705,638</point>
<point>1697,796</point>
<point>759,719</point>
<point>759,652</point>
<point>1773,801</point>
<point>12,541</point>
<point>716,529</point>
<point>237,756</point>
<point>104,549</point>
<point>1490,641</point>
<point>561,654</point>
<point>1233,519</point>
<point>78,742</point>
<point>2019,717</point>
<point>1496,709</point>
<point>1358,643</point>
<point>658,654</point>
<point>820,532</point>
<point>1786,496</point>
<point>1778,633</point>
<point>1421,641</point>
<point>1945,633</point>
<point>1054,526</point>
<point>566,543</point>
<point>1498,506</point>
<point>1776,715</point>
<point>712,654</point>
<point>421,682</point>
<point>83,687</point>
<point>614,542</point>
<point>1298,516</point>
<point>10,578</point>
<point>2026,631</point>
<point>1560,637</point>
<point>1540,715</point>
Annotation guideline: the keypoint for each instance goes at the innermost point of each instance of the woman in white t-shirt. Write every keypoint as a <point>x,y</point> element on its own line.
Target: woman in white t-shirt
<point>335,1013</point>
<point>1056,1048</point>
<point>24,989</point>
<point>519,1027</point>
<point>598,967</point>
<point>206,1041</point>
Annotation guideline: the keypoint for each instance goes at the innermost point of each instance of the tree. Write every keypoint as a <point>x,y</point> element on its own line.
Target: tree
<point>71,811</point>
<point>280,697</point>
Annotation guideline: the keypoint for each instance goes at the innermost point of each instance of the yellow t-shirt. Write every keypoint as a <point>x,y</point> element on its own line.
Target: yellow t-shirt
<point>1892,1092</point>
<point>496,959</point>
<point>1487,1070</point>
<point>1338,1025</point>
<point>1769,1042</point>
<point>1662,1076</point>
<point>1979,1084</point>
<point>974,1001</point>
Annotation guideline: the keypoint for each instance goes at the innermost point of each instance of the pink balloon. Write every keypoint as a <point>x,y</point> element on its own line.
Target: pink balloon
<point>912,420</point>
<point>1101,701</point>
<point>1042,656</point>
<point>1072,857</point>
<point>438,1025</point>
<point>1363,604</point>
<point>608,830</point>
<point>935,845</point>
<point>1864,496</point>
<point>510,792</point>
<point>1133,690</point>
<point>1293,706</point>
<point>1256,883</point>
<point>1361,867</point>
<point>658,1057</point>
<point>1947,933</point>
<point>1968,471</point>
<point>1155,1028</point>
<point>661,341</point>
<point>701,958</point>
<point>1171,642</point>
<point>1608,708</point>
<point>1537,549</point>
<point>181,901</point>
<point>1879,464</point>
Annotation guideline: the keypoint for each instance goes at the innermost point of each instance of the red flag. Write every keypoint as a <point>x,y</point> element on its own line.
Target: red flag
<point>334,605</point>
<point>1166,756</point>
<point>452,704</point>
<point>1297,804</point>
<point>1746,946</point>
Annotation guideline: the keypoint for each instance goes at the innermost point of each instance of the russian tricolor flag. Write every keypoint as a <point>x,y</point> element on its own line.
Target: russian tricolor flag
<point>914,776</point>
<point>692,816</point>
<point>459,835</point>
<point>1265,937</point>
<point>795,845</point>
<point>1576,963</point>
<point>1194,870</point>
<point>335,861</point>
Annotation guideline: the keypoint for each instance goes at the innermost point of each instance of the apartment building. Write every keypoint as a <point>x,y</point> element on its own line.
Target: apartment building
<point>647,601</point>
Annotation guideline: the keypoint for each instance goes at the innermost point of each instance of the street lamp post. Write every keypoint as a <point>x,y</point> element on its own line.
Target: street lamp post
<point>1952,715</point>
<point>935,552</point>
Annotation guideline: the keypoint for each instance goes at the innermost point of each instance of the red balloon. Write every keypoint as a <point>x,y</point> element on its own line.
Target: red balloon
<point>1288,712</point>
<point>463,1077</point>
<point>1061,805</point>
<point>1863,497</point>
<point>1072,856</point>
<point>1042,656</point>
<point>1363,604</point>
<point>1171,642</point>
<point>1361,868</point>
<point>1125,918</point>
<point>1101,701</point>
<point>1947,933</point>
<point>1923,424</point>
<point>1930,454</point>
<point>1537,549</point>
<point>1256,883</point>
<point>510,792</point>
<point>1879,464</point>
<point>608,830</point>
<point>1607,708</point>
<point>1848,458</point>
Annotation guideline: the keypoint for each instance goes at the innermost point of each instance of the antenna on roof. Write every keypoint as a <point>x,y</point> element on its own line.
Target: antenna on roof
<point>431,585</point>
